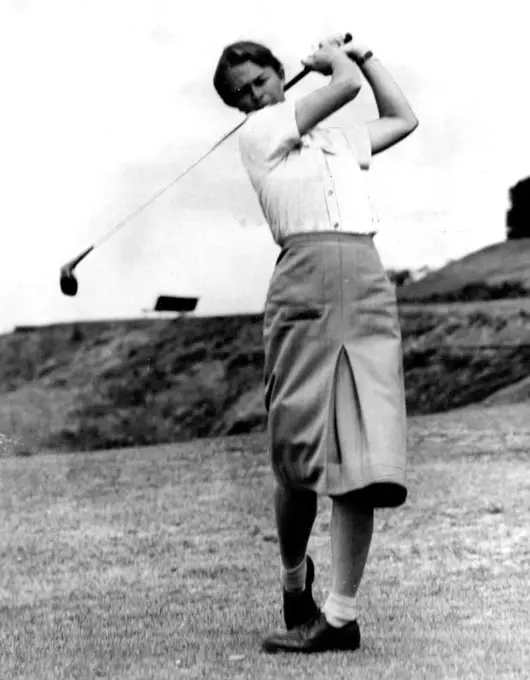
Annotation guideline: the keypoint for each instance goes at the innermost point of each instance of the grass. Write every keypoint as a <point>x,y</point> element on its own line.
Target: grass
<point>496,271</point>
<point>162,562</point>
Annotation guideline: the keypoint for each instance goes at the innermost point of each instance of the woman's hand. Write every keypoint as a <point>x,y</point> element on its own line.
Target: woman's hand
<point>322,60</point>
<point>354,48</point>
<point>332,41</point>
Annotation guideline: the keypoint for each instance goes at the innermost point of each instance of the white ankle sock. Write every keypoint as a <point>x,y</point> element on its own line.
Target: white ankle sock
<point>339,609</point>
<point>294,579</point>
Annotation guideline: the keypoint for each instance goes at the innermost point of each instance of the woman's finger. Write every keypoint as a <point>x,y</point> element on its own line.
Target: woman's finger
<point>336,40</point>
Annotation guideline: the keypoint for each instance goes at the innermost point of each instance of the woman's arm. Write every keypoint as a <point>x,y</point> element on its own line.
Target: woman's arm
<point>344,86</point>
<point>396,118</point>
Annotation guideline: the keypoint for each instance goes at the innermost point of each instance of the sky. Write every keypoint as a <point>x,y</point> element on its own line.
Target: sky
<point>106,101</point>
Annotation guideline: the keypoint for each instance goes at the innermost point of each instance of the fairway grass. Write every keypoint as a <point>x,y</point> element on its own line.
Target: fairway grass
<point>162,562</point>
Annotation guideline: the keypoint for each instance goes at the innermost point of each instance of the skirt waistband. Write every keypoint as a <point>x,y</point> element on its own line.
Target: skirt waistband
<point>319,236</point>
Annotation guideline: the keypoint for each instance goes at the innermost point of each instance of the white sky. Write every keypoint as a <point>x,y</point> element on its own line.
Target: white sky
<point>105,101</point>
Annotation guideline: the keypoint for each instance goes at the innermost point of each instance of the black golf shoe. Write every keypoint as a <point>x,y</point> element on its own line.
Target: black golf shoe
<point>298,608</point>
<point>317,635</point>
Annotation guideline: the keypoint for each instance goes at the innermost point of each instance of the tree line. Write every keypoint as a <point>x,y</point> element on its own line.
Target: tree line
<point>518,215</point>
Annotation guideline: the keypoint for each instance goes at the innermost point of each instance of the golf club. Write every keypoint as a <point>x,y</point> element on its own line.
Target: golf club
<point>68,280</point>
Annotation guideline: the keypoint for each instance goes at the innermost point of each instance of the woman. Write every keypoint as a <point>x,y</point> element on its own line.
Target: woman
<point>333,365</point>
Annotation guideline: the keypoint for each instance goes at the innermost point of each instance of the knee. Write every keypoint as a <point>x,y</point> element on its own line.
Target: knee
<point>294,494</point>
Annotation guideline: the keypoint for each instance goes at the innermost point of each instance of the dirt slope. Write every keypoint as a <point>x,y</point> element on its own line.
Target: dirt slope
<point>116,384</point>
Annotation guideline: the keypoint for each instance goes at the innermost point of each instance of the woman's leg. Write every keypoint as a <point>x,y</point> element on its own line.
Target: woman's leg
<point>352,525</point>
<point>295,512</point>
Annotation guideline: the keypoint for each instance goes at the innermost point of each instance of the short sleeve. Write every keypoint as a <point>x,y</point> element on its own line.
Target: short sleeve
<point>359,139</point>
<point>268,136</point>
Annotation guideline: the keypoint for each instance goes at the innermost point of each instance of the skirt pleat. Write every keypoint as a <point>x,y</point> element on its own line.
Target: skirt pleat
<point>334,387</point>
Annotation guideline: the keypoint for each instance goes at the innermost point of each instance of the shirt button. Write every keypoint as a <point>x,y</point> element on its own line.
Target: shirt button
<point>336,225</point>
<point>330,192</point>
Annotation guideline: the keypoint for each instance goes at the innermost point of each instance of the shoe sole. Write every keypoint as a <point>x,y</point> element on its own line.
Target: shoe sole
<point>275,649</point>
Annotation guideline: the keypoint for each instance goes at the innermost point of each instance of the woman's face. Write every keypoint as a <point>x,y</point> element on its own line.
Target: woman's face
<point>255,87</point>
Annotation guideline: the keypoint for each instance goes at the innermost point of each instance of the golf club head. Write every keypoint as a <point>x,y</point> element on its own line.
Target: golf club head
<point>67,280</point>
<point>68,283</point>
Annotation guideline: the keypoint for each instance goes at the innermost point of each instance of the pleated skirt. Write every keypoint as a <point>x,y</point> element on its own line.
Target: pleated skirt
<point>334,389</point>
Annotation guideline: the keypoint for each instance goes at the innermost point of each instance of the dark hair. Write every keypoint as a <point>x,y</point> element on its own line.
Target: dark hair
<point>238,53</point>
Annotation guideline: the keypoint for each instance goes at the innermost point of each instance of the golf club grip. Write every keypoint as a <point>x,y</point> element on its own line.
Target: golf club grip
<point>303,73</point>
<point>297,78</point>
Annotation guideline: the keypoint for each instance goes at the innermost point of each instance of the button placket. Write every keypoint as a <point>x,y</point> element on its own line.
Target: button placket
<point>328,183</point>
<point>331,198</point>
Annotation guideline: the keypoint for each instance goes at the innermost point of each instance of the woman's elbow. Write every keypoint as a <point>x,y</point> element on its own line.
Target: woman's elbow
<point>408,125</point>
<point>412,123</point>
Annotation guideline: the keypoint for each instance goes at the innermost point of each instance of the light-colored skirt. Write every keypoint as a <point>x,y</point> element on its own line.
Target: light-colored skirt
<point>334,387</point>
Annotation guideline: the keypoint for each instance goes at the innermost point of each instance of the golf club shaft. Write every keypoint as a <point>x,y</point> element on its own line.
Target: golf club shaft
<point>296,79</point>
<point>165,188</point>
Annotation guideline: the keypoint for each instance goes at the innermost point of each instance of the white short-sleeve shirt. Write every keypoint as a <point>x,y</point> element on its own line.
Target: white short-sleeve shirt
<point>310,183</point>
